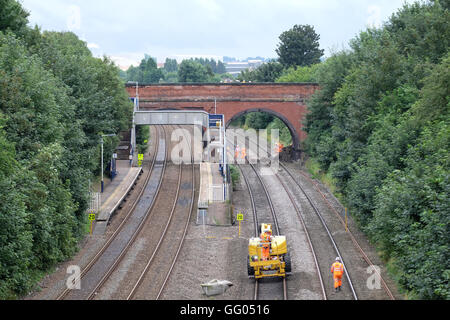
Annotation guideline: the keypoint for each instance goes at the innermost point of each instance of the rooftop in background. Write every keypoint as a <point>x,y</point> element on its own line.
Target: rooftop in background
<point>235,68</point>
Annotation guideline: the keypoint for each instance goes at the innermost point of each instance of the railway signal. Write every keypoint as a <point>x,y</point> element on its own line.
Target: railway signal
<point>240,218</point>
<point>92,219</point>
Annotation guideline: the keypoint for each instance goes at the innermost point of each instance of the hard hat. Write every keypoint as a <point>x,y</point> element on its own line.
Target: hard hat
<point>266,228</point>
<point>338,259</point>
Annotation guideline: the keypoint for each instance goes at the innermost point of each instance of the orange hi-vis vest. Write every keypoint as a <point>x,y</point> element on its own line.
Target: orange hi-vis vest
<point>266,237</point>
<point>337,269</point>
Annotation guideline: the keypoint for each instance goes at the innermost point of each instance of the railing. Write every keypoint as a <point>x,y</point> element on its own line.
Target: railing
<point>95,202</point>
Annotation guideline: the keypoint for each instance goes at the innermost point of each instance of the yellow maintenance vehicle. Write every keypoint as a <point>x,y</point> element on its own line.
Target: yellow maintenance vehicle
<point>267,255</point>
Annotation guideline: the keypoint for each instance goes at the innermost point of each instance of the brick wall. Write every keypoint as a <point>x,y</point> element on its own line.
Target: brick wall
<point>288,101</point>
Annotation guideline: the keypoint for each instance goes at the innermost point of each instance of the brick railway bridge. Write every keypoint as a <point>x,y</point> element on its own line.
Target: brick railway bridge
<point>287,101</point>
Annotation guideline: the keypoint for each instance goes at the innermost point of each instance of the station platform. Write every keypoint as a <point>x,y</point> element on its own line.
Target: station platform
<point>212,205</point>
<point>211,184</point>
<point>115,192</point>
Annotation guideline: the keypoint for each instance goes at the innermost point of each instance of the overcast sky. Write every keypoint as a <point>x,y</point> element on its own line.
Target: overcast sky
<point>125,30</point>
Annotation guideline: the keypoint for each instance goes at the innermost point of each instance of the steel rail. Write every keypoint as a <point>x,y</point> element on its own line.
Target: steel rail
<point>120,227</point>
<point>163,235</point>
<point>364,255</point>
<point>136,232</point>
<point>355,242</point>
<point>255,223</point>
<point>252,201</point>
<point>285,297</point>
<point>291,197</point>
<point>169,273</point>
<point>322,221</point>
<point>327,230</point>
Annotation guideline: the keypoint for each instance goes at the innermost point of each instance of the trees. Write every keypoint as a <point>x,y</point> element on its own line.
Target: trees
<point>379,126</point>
<point>55,100</point>
<point>258,120</point>
<point>299,46</point>
<point>15,234</point>
<point>12,16</point>
<point>171,65</point>
<point>198,70</point>
<point>411,221</point>
<point>268,72</point>
<point>146,72</point>
<point>299,74</point>
<point>319,120</point>
<point>191,71</point>
<point>221,69</point>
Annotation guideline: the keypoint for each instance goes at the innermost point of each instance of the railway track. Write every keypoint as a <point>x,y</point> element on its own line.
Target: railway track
<point>156,274</point>
<point>322,268</point>
<point>330,236</point>
<point>106,259</point>
<point>264,288</point>
<point>341,218</point>
<point>163,188</point>
<point>308,238</point>
<point>169,224</point>
<point>295,185</point>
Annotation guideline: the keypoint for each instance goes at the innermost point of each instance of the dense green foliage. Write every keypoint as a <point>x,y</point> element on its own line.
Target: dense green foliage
<point>56,100</point>
<point>171,65</point>
<point>193,72</point>
<point>146,72</point>
<point>142,138</point>
<point>299,47</point>
<point>299,55</point>
<point>197,70</point>
<point>379,131</point>
<point>380,127</point>
<point>263,120</point>
<point>212,65</point>
<point>268,72</point>
<point>235,176</point>
<point>305,74</point>
<point>12,16</point>
<point>258,120</point>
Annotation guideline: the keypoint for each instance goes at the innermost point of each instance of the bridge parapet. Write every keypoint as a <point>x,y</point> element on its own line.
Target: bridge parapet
<point>286,101</point>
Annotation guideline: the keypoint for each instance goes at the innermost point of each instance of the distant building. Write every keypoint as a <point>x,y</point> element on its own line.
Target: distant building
<point>235,68</point>
<point>254,64</point>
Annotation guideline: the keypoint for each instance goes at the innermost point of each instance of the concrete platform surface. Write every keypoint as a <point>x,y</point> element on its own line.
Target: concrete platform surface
<point>116,191</point>
<point>213,210</point>
<point>211,184</point>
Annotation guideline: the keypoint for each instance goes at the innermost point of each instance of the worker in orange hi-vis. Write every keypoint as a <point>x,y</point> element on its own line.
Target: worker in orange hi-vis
<point>337,269</point>
<point>236,153</point>
<point>279,147</point>
<point>266,238</point>
<point>244,153</point>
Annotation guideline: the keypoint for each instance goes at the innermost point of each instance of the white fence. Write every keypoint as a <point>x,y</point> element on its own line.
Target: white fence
<point>95,202</point>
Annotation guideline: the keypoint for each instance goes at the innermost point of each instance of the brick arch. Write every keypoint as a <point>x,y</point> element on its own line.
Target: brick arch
<point>286,101</point>
<point>292,130</point>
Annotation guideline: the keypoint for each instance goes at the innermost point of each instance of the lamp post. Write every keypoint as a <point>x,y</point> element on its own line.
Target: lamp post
<point>101,141</point>
<point>136,108</point>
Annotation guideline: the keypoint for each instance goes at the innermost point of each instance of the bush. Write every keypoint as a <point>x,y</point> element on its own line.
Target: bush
<point>235,176</point>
